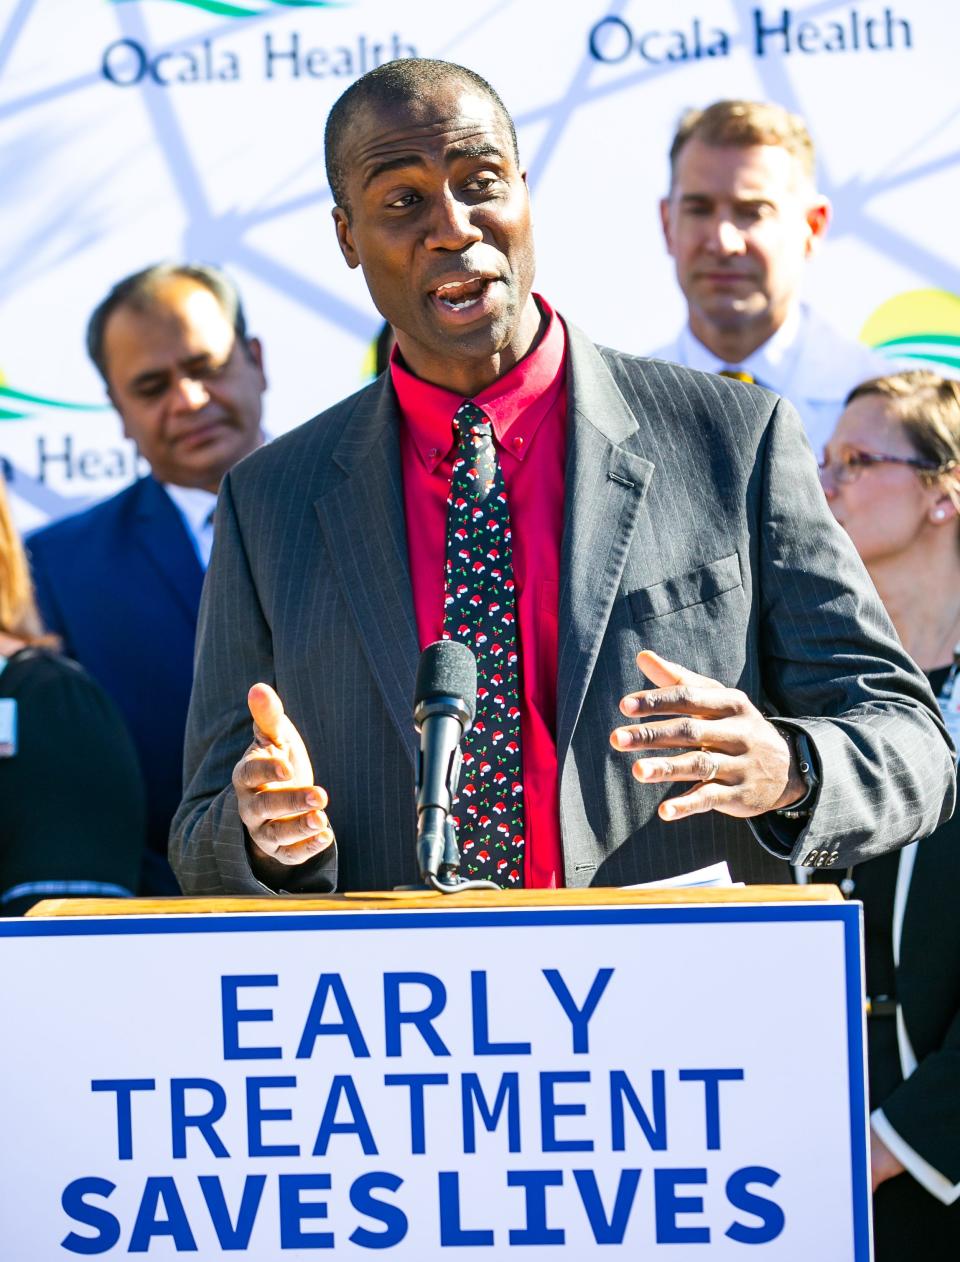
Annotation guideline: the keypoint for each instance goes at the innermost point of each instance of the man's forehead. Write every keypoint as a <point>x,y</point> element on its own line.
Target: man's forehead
<point>748,169</point>
<point>444,120</point>
<point>181,317</point>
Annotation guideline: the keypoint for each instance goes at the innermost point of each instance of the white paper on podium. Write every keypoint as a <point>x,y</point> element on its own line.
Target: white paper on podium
<point>715,876</point>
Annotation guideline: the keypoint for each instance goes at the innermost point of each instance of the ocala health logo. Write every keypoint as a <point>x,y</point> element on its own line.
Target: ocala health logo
<point>922,324</point>
<point>15,405</point>
<point>226,10</point>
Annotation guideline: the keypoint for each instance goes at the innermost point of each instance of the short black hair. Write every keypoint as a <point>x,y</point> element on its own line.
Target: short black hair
<point>139,290</point>
<point>409,79</point>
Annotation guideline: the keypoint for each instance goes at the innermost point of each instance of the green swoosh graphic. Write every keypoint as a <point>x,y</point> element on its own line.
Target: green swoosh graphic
<point>935,339</point>
<point>219,7</point>
<point>224,9</point>
<point>18,396</point>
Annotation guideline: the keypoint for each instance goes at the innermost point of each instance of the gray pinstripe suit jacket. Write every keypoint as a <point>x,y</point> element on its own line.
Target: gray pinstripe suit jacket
<point>694,525</point>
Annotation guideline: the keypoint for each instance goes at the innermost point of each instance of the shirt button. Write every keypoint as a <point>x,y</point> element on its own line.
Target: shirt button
<point>433,453</point>
<point>517,443</point>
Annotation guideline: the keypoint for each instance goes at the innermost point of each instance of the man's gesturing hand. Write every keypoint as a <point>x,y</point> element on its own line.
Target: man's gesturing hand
<point>282,808</point>
<point>739,763</point>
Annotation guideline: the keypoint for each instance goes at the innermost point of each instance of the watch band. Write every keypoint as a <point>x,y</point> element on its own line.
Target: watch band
<point>807,766</point>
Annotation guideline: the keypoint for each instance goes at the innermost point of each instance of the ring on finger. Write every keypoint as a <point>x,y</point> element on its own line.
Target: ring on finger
<point>714,771</point>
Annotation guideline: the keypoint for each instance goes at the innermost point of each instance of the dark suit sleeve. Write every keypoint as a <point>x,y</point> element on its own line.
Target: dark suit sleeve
<point>925,1109</point>
<point>208,841</point>
<point>829,650</point>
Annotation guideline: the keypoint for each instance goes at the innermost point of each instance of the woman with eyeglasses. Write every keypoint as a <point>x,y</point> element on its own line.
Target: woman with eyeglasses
<point>891,474</point>
<point>59,836</point>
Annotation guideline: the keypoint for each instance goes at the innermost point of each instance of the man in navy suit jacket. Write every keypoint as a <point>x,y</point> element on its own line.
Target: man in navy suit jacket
<point>120,583</point>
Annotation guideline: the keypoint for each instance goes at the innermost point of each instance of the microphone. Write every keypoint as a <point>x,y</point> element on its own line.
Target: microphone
<point>443,710</point>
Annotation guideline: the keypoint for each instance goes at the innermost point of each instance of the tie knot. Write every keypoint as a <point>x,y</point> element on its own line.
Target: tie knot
<point>470,419</point>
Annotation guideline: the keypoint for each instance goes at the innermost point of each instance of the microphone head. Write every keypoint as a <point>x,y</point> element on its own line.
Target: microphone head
<point>447,669</point>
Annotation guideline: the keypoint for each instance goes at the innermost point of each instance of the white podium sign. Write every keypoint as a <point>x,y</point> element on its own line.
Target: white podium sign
<point>436,1084</point>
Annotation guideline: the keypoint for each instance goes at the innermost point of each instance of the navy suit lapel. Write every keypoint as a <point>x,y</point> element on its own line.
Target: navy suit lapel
<point>160,532</point>
<point>605,487</point>
<point>362,519</point>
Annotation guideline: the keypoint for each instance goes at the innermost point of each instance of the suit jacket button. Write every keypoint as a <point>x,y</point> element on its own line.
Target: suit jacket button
<point>823,859</point>
<point>811,858</point>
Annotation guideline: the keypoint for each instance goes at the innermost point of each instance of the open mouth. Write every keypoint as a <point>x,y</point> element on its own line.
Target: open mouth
<point>462,295</point>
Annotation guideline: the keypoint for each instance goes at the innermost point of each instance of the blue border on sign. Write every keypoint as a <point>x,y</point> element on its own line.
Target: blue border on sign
<point>396,918</point>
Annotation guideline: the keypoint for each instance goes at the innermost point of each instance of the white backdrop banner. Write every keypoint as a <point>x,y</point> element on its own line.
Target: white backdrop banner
<point>136,130</point>
<point>463,1084</point>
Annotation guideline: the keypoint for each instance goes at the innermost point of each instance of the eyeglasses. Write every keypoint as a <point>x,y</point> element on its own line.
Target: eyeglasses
<point>848,466</point>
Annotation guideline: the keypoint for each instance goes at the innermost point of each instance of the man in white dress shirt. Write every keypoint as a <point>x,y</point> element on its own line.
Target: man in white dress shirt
<point>120,583</point>
<point>742,217</point>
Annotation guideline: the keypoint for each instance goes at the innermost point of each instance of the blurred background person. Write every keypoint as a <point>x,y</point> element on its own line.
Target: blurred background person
<point>58,836</point>
<point>120,583</point>
<point>891,473</point>
<point>741,219</point>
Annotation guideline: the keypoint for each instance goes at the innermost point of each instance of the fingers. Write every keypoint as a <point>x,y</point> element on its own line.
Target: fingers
<point>702,765</point>
<point>706,797</point>
<point>662,673</point>
<point>684,732</point>
<point>275,803</point>
<point>258,768</point>
<point>266,710</point>
<point>290,825</point>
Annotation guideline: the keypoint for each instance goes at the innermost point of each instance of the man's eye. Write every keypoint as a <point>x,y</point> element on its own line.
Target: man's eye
<point>480,183</point>
<point>404,202</point>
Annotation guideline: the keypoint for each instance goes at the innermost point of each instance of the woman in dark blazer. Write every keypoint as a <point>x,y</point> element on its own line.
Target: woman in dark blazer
<point>891,473</point>
<point>59,837</point>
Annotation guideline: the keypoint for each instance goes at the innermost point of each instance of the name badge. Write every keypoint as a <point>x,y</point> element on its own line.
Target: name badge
<point>8,727</point>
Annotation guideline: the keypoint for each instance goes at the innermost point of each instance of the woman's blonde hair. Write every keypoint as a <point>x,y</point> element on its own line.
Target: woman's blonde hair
<point>928,407</point>
<point>18,609</point>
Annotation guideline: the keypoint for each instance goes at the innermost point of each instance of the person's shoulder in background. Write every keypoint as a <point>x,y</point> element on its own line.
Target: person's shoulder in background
<point>57,836</point>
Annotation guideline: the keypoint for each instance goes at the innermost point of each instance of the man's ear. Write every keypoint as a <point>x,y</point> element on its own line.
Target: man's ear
<point>819,214</point>
<point>255,353</point>
<point>665,223</point>
<point>345,237</point>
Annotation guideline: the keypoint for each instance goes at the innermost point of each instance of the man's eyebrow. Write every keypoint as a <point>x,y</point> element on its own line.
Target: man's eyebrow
<point>486,150</point>
<point>392,164</point>
<point>155,376</point>
<point>457,153</point>
<point>152,376</point>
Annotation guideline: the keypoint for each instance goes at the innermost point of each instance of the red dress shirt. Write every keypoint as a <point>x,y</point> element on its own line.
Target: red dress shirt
<point>528,409</point>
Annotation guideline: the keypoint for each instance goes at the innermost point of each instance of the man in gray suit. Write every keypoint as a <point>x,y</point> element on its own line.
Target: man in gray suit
<point>679,531</point>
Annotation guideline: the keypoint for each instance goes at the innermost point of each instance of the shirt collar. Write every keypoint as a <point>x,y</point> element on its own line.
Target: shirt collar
<point>516,402</point>
<point>195,504</point>
<point>770,365</point>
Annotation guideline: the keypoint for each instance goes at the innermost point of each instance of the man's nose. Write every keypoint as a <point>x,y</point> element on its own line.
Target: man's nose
<point>189,394</point>
<point>725,237</point>
<point>451,225</point>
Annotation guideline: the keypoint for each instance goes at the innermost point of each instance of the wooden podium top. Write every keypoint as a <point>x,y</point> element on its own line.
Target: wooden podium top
<point>401,900</point>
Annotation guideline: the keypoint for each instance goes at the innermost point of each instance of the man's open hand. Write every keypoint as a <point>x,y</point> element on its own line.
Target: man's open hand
<point>282,808</point>
<point>738,762</point>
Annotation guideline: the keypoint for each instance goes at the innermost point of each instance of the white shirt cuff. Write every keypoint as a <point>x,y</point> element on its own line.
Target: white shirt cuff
<point>937,1184</point>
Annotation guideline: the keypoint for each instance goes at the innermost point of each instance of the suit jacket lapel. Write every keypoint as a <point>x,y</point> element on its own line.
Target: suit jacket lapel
<point>160,531</point>
<point>362,519</point>
<point>605,486</point>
